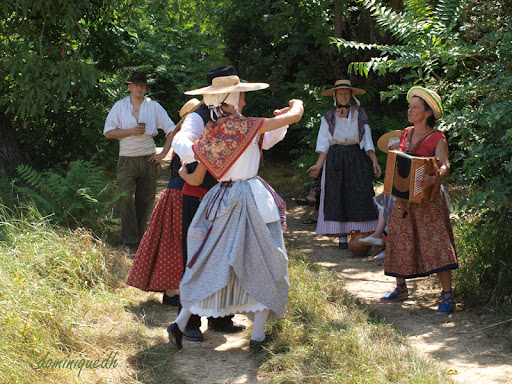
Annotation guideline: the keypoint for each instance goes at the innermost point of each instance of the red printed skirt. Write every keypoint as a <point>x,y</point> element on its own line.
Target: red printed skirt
<point>158,264</point>
<point>420,239</point>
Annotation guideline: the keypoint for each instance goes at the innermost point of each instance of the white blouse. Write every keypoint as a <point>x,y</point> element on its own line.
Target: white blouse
<point>192,128</point>
<point>246,168</point>
<point>346,132</point>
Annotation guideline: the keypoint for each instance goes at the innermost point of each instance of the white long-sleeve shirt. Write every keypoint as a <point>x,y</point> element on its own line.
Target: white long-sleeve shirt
<point>151,113</point>
<point>346,132</point>
<point>192,129</point>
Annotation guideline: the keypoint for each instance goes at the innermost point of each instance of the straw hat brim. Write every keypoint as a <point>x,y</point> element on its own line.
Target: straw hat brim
<point>430,97</point>
<point>355,91</point>
<point>383,141</point>
<point>240,87</point>
<point>189,106</point>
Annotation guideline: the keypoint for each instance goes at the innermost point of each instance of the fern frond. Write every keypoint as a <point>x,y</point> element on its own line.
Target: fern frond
<point>48,206</point>
<point>420,9</point>
<point>447,16</point>
<point>85,194</point>
<point>402,25</point>
<point>29,175</point>
<point>383,48</point>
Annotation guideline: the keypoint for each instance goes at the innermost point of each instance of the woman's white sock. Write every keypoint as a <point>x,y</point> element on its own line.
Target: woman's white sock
<point>183,318</point>
<point>258,328</point>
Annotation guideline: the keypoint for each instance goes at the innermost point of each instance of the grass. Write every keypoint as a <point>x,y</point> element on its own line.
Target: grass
<point>329,337</point>
<point>63,297</point>
<point>63,307</point>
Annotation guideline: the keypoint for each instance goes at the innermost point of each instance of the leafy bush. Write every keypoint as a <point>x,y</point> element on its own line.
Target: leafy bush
<point>463,51</point>
<point>80,196</point>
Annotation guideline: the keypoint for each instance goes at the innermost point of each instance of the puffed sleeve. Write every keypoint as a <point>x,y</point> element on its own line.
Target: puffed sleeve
<point>271,138</point>
<point>113,121</point>
<point>367,142</point>
<point>163,121</point>
<point>191,129</point>
<point>323,141</point>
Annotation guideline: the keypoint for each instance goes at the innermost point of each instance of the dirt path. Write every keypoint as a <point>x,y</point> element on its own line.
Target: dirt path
<point>463,342</point>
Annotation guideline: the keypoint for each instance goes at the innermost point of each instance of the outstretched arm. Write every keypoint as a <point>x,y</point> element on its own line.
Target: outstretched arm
<point>285,116</point>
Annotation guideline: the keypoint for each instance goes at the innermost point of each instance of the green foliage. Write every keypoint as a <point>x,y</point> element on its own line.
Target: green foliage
<point>463,50</point>
<point>80,196</point>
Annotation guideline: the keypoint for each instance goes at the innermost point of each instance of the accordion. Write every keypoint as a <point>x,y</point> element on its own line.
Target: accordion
<point>402,174</point>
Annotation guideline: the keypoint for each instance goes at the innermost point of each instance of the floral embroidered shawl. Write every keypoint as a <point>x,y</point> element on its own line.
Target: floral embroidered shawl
<point>221,145</point>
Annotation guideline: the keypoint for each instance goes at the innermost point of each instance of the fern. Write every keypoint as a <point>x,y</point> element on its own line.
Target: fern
<point>79,195</point>
<point>429,38</point>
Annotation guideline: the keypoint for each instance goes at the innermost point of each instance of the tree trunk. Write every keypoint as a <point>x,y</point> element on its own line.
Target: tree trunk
<point>396,4</point>
<point>338,20</point>
<point>10,153</point>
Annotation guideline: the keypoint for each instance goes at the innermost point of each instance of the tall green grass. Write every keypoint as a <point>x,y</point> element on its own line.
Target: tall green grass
<point>329,337</point>
<point>52,282</point>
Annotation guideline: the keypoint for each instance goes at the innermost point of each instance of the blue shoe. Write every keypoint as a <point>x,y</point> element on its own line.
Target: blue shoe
<point>448,304</point>
<point>400,293</point>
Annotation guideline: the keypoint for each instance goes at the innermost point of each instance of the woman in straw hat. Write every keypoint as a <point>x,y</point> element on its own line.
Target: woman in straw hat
<point>345,148</point>
<point>158,263</point>
<point>237,260</point>
<point>420,240</point>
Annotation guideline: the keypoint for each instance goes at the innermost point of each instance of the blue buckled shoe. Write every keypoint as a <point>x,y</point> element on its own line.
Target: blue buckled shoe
<point>399,293</point>
<point>448,304</point>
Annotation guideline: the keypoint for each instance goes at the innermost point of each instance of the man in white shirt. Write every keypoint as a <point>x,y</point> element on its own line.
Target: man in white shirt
<point>134,121</point>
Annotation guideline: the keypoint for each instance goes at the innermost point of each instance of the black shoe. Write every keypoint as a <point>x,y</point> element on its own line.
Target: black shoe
<point>226,327</point>
<point>343,245</point>
<point>171,300</point>
<point>258,345</point>
<point>193,335</point>
<point>175,333</point>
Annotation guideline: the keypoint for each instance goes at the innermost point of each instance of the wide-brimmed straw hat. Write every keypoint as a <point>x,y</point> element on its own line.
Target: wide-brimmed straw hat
<point>227,84</point>
<point>383,142</point>
<point>189,106</point>
<point>137,78</point>
<point>431,98</point>
<point>343,84</point>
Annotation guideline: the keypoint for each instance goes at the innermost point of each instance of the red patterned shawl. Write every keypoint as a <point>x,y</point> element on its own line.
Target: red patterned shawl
<point>221,145</point>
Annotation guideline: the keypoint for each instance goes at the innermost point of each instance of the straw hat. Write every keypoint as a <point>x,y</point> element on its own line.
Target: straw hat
<point>346,84</point>
<point>431,98</point>
<point>189,106</point>
<point>383,142</point>
<point>227,84</point>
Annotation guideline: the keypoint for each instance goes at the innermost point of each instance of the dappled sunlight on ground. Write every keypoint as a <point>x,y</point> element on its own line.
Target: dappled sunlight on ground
<point>462,342</point>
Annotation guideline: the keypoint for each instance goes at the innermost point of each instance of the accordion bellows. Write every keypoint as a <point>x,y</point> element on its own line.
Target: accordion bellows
<point>402,174</point>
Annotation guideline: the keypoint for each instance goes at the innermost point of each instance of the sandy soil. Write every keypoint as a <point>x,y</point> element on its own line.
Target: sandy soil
<point>466,343</point>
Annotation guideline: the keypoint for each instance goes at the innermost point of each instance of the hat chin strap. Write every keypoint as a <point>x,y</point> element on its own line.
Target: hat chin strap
<point>215,101</point>
<point>337,105</point>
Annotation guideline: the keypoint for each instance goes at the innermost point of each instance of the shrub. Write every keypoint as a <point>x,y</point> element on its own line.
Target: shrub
<point>80,196</point>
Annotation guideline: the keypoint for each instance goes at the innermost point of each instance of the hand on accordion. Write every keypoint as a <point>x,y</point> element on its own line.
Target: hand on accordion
<point>426,181</point>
